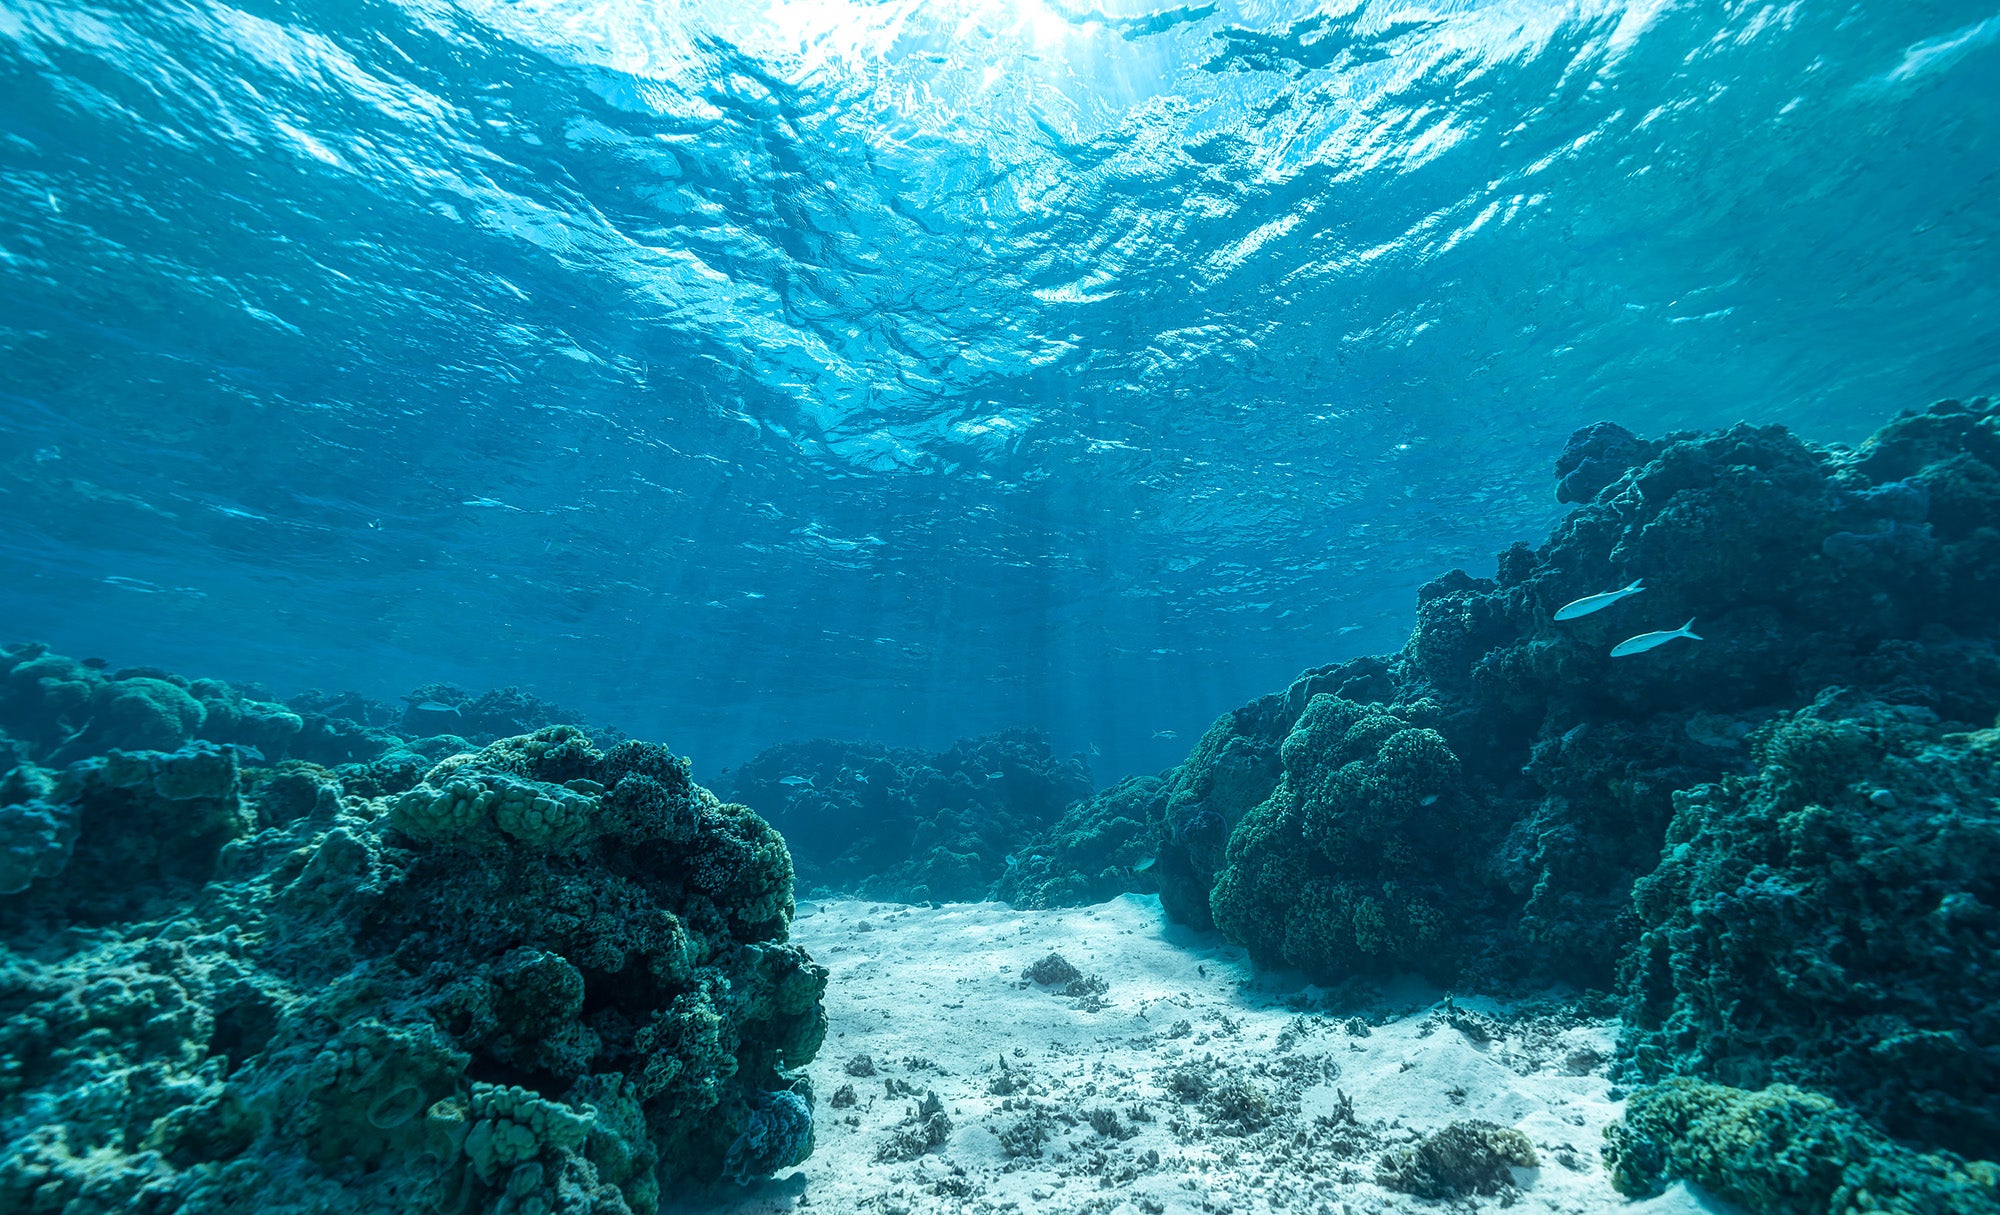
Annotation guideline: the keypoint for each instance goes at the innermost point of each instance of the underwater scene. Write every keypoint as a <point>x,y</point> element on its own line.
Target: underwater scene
<point>999,607</point>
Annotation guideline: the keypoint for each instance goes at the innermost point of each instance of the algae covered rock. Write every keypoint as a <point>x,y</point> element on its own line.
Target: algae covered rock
<point>1465,1158</point>
<point>1784,1151</point>
<point>544,977</point>
<point>1352,862</point>
<point>1100,848</point>
<point>910,825</point>
<point>107,837</point>
<point>1833,921</point>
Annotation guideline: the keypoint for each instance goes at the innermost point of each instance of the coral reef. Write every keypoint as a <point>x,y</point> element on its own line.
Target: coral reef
<point>1098,849</point>
<point>64,709</point>
<point>1777,842</point>
<point>1784,1151</point>
<point>1503,775</point>
<point>58,709</point>
<point>1354,859</point>
<point>537,977</point>
<point>1833,921</point>
<point>914,826</point>
<point>1468,1157</point>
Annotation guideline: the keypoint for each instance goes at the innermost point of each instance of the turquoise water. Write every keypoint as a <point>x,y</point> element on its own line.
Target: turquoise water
<point>964,608</point>
<point>901,371</point>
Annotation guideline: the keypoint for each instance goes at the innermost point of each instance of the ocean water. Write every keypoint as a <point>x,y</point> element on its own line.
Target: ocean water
<point>747,372</point>
<point>1091,489</point>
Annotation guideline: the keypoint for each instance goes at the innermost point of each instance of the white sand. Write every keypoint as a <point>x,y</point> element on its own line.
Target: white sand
<point>936,999</point>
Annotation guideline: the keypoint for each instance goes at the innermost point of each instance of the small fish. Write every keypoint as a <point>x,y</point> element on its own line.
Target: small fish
<point>996,776</point>
<point>1095,749</point>
<point>1646,641</point>
<point>95,664</point>
<point>1012,860</point>
<point>437,706</point>
<point>246,751</point>
<point>1166,734</point>
<point>1597,603</point>
<point>1432,800</point>
<point>1146,864</point>
<point>796,781</point>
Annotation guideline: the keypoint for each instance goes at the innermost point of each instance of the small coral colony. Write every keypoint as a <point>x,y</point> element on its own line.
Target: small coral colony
<point>470,953</point>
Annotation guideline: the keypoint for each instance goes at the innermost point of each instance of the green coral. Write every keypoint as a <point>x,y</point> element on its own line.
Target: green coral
<point>1784,1151</point>
<point>1830,921</point>
<point>1100,848</point>
<point>535,813</point>
<point>1351,861</point>
<point>1464,1158</point>
<point>147,714</point>
<point>509,1125</point>
<point>569,985</point>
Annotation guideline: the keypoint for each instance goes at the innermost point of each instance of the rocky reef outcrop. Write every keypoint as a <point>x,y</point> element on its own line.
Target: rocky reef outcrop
<point>63,708</point>
<point>1830,920</point>
<point>1776,842</point>
<point>910,825</point>
<point>536,977</point>
<point>1506,775</point>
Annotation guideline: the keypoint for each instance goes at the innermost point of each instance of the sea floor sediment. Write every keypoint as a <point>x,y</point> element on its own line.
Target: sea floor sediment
<point>1164,1078</point>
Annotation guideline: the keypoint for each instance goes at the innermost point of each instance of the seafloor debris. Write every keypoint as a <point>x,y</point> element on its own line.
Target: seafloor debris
<point>1468,1157</point>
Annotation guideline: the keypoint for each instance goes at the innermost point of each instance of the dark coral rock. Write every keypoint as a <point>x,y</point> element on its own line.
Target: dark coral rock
<point>141,826</point>
<point>1786,1151</point>
<point>1052,970</point>
<point>1353,861</point>
<point>538,977</point>
<point>915,826</point>
<point>1596,456</point>
<point>1469,1157</point>
<point>1102,847</point>
<point>1833,921</point>
<point>779,1134</point>
<point>446,708</point>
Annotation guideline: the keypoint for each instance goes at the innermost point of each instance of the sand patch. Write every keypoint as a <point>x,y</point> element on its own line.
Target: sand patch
<point>1153,1077</point>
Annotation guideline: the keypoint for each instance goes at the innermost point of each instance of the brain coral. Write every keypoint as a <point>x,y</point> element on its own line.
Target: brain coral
<point>546,978</point>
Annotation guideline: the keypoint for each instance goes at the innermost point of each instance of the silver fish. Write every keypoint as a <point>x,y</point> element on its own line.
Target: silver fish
<point>1597,603</point>
<point>437,706</point>
<point>796,780</point>
<point>1646,641</point>
<point>1167,734</point>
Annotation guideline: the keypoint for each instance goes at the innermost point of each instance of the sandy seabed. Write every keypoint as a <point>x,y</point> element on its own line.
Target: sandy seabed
<point>1164,1081</point>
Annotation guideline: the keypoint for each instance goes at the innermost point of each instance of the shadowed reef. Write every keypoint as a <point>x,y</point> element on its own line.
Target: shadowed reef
<point>1777,842</point>
<point>529,976</point>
